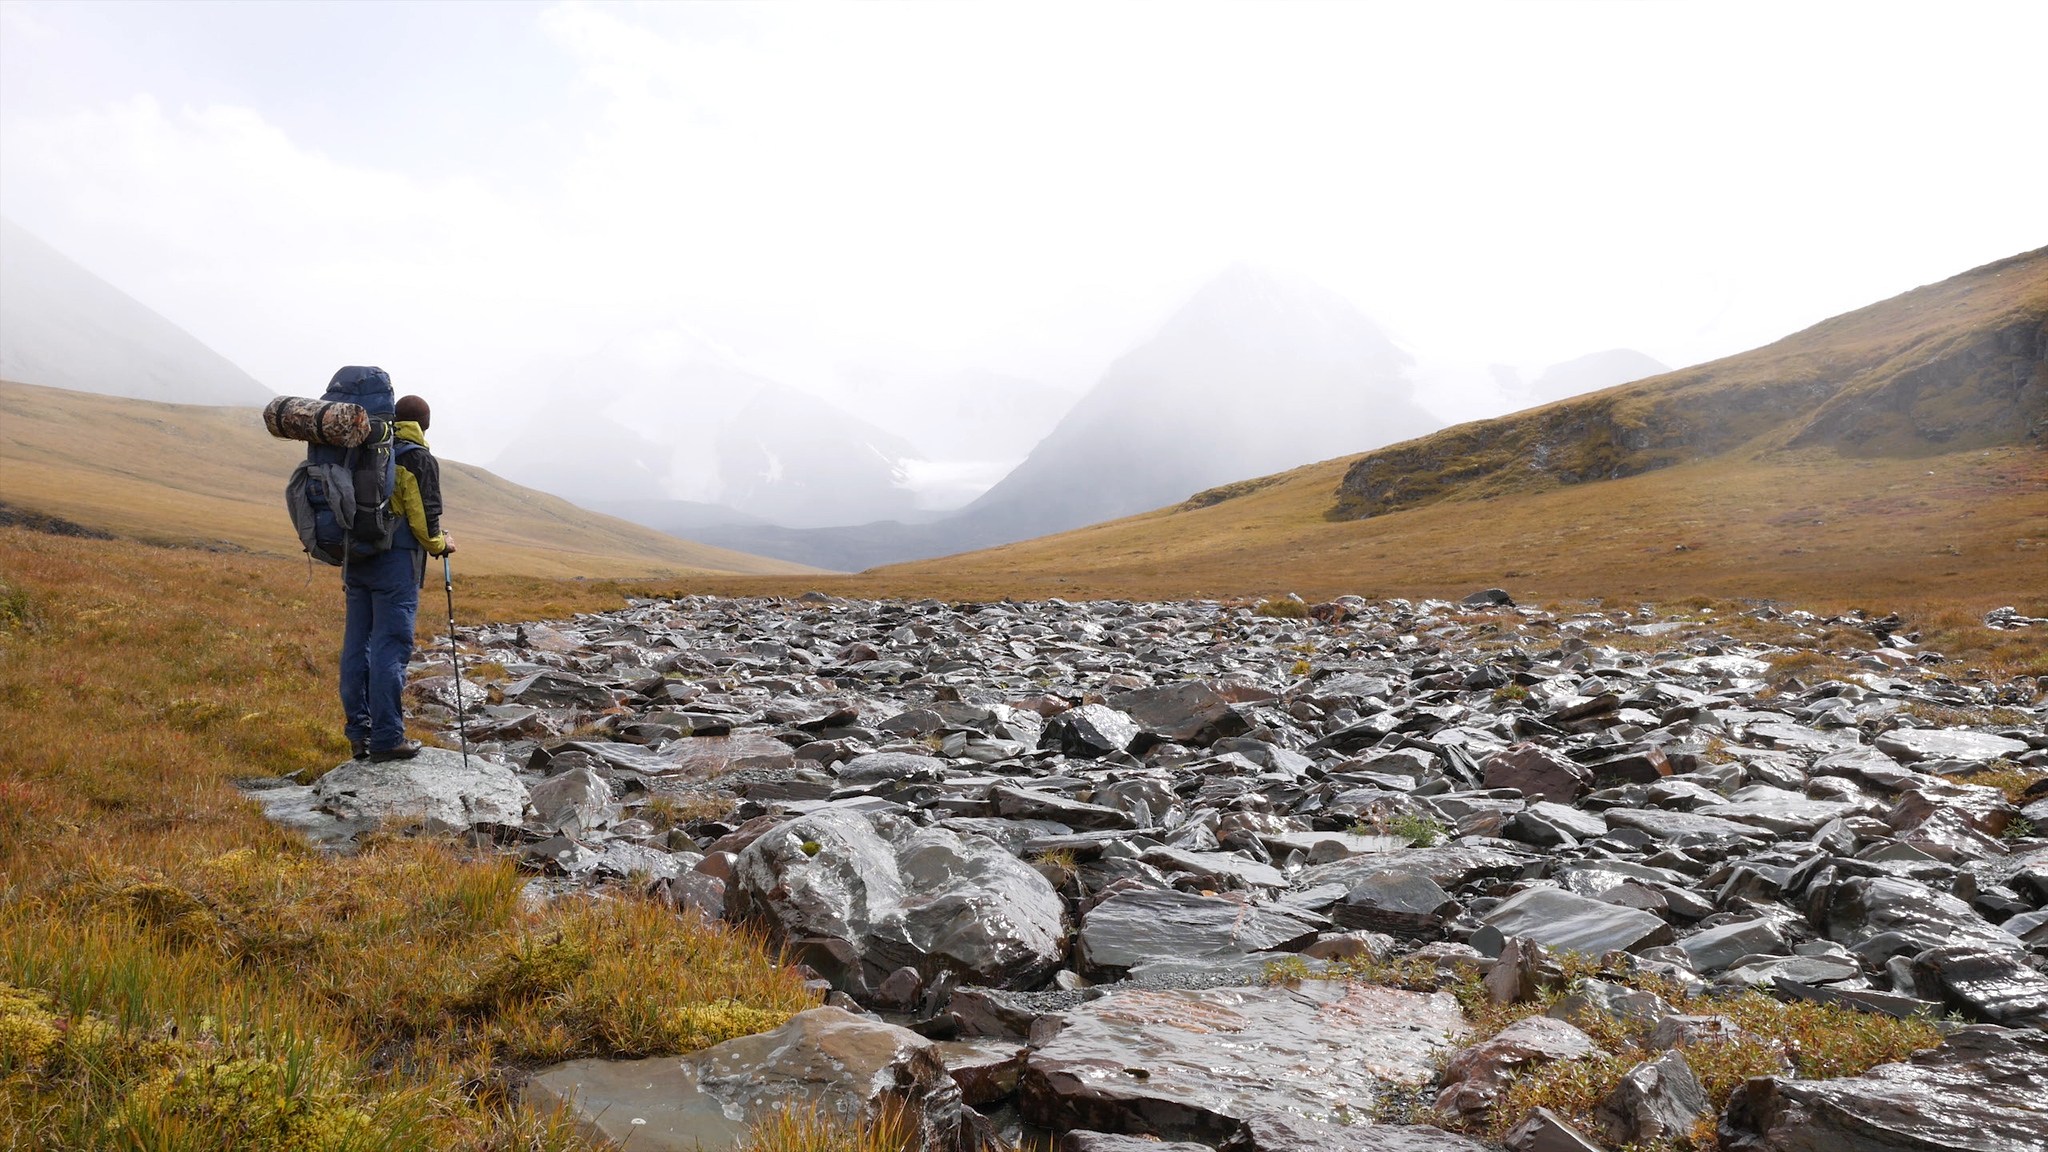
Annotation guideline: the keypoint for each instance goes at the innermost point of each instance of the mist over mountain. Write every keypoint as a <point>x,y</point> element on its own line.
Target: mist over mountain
<point>1590,374</point>
<point>1255,374</point>
<point>667,415</point>
<point>63,327</point>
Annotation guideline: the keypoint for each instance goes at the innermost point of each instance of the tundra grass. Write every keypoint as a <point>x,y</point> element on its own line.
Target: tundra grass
<point>175,973</point>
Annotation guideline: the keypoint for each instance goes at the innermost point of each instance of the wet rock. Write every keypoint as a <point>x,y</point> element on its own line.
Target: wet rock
<point>1132,928</point>
<point>1195,1064</point>
<point>1539,772</point>
<point>1659,1100</point>
<point>1912,745</point>
<point>985,1070</point>
<point>896,767</point>
<point>1089,731</point>
<point>1191,712</point>
<point>1716,948</point>
<point>555,689</point>
<point>1992,985</point>
<point>435,789</point>
<point>824,1058</point>
<point>1397,903</point>
<point>1879,917</point>
<point>1475,1076</point>
<point>703,756</point>
<point>1111,1142</point>
<point>858,898</point>
<point>1545,1131</point>
<point>1283,1132</point>
<point>1980,1090</point>
<point>1574,923</point>
<point>573,801</point>
<point>1034,804</point>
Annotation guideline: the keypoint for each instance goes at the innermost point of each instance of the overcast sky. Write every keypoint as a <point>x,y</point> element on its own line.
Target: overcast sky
<point>458,190</point>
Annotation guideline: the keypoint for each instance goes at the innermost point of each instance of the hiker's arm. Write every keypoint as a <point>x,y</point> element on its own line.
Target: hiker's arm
<point>419,499</point>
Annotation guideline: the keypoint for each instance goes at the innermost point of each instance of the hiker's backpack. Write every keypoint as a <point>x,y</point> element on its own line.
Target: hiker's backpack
<point>339,498</point>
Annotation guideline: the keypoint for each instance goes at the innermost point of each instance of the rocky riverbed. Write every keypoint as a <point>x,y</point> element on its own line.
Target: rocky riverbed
<point>1085,869</point>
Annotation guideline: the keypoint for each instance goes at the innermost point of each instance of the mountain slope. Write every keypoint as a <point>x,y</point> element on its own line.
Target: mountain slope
<point>175,473</point>
<point>1252,375</point>
<point>1950,366</point>
<point>63,327</point>
<point>1890,455</point>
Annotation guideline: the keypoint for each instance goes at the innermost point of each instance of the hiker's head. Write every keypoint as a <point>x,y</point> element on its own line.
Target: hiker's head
<point>415,409</point>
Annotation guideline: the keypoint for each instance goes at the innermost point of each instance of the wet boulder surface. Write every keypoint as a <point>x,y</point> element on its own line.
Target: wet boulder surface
<point>1100,866</point>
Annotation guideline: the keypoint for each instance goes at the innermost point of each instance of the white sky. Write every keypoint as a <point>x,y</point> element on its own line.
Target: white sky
<point>457,191</point>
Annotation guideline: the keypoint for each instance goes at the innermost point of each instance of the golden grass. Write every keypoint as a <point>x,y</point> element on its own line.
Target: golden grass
<point>212,983</point>
<point>185,474</point>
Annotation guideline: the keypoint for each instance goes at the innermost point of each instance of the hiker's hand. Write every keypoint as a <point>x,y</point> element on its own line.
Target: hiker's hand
<point>447,544</point>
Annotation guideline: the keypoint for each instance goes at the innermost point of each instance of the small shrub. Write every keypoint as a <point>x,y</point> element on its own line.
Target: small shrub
<point>1281,609</point>
<point>812,847</point>
<point>2019,827</point>
<point>1302,668</point>
<point>1508,692</point>
<point>893,1129</point>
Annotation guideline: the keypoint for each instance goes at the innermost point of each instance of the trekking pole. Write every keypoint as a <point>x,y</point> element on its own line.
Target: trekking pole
<point>455,657</point>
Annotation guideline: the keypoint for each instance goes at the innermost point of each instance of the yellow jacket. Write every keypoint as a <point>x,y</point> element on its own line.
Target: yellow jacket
<point>408,500</point>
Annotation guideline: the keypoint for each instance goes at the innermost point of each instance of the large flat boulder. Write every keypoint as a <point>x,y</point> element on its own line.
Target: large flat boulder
<point>1193,1065</point>
<point>437,790</point>
<point>825,1058</point>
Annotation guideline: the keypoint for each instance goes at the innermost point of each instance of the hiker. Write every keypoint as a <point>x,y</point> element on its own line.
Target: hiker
<point>383,584</point>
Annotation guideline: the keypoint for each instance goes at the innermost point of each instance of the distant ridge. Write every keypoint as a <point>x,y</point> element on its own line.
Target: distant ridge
<point>210,475</point>
<point>63,327</point>
<point>1950,366</point>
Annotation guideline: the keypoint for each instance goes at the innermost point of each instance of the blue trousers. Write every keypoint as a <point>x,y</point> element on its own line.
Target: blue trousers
<point>383,597</point>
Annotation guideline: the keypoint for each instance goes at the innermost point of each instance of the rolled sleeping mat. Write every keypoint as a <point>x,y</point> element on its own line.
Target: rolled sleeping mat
<point>317,421</point>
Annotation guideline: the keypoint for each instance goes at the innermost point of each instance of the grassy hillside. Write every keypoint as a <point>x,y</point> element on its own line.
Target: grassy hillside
<point>1968,528</point>
<point>177,974</point>
<point>1950,366</point>
<point>186,474</point>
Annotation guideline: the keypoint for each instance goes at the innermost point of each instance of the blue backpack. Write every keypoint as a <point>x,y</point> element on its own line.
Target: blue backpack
<point>340,498</point>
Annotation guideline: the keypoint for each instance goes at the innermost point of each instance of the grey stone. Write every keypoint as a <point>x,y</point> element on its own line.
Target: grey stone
<point>1398,903</point>
<point>573,801</point>
<point>1659,1100</point>
<point>435,789</point>
<point>1285,1132</point>
<point>1981,1090</point>
<point>876,894</point>
<point>1713,949</point>
<point>1131,928</point>
<point>823,1058</point>
<point>1573,923</point>
<point>1193,1065</point>
<point>1912,745</point>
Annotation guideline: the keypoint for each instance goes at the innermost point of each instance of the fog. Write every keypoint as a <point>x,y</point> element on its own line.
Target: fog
<point>822,264</point>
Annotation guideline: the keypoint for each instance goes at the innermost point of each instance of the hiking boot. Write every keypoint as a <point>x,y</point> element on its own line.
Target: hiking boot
<point>404,751</point>
<point>358,747</point>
